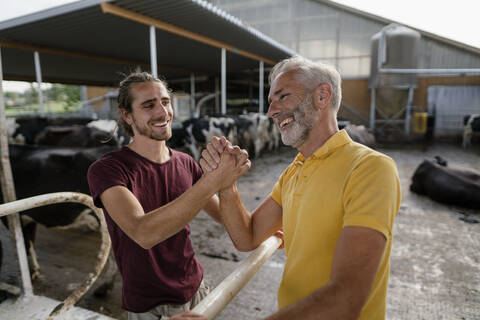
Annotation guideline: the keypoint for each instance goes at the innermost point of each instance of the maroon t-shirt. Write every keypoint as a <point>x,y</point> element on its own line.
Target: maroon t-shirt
<point>168,273</point>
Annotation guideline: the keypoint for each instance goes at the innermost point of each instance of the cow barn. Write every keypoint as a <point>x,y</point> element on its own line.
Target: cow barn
<point>221,89</point>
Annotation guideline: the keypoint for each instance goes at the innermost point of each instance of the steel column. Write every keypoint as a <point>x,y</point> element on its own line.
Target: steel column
<point>38,74</point>
<point>192,93</point>
<point>153,52</point>
<point>260,87</point>
<point>224,81</point>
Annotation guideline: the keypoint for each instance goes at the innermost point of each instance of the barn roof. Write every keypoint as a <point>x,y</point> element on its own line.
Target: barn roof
<point>95,41</point>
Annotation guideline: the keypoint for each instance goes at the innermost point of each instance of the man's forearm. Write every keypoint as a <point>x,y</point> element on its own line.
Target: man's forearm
<point>236,218</point>
<point>327,302</point>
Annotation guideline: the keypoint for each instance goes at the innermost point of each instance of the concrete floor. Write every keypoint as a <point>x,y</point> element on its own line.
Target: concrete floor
<point>435,263</point>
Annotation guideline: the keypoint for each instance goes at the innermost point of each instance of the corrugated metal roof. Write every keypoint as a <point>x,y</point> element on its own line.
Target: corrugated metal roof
<point>79,43</point>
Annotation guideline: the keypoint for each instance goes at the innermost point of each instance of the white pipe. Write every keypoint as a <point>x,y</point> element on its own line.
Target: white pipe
<point>14,220</point>
<point>38,73</point>
<point>224,81</point>
<point>153,52</point>
<point>216,301</point>
<point>430,71</point>
<point>260,88</point>
<point>58,197</point>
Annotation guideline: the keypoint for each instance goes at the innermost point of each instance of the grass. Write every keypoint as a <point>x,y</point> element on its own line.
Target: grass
<point>51,107</point>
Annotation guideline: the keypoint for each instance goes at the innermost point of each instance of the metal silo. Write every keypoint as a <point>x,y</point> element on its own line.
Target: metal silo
<point>394,47</point>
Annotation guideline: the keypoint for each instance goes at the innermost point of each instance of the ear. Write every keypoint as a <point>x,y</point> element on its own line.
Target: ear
<point>322,95</point>
<point>126,116</point>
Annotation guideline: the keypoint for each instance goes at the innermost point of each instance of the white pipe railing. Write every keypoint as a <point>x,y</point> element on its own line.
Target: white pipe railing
<point>59,197</point>
<point>216,300</point>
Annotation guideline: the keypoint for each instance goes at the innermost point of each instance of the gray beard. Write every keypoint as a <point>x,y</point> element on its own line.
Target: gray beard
<point>305,117</point>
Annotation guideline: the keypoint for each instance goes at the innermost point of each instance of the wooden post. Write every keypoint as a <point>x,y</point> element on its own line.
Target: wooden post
<point>8,191</point>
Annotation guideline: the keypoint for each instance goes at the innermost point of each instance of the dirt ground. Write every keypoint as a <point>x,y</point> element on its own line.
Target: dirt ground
<point>435,262</point>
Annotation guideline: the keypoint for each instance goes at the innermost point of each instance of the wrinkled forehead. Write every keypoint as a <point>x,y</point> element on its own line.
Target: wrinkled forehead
<point>284,81</point>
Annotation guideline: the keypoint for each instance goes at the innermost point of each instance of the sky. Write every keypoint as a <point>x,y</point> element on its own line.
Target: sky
<point>457,20</point>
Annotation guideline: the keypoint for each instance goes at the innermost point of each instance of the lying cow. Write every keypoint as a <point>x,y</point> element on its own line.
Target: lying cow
<point>447,185</point>
<point>471,127</point>
<point>38,170</point>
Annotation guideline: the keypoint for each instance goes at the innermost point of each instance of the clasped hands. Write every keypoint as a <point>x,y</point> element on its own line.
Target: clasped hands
<point>223,160</point>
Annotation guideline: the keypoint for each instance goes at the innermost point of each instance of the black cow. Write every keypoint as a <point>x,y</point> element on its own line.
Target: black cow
<point>38,170</point>
<point>471,127</point>
<point>29,127</point>
<point>447,185</point>
<point>74,136</point>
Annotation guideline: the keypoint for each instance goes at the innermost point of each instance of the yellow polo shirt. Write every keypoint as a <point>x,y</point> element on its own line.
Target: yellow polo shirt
<point>342,184</point>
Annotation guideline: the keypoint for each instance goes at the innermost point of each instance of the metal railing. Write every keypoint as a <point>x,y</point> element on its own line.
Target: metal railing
<point>60,197</point>
<point>216,300</point>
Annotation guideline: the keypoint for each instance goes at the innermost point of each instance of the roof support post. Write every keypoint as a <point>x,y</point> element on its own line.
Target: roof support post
<point>38,74</point>
<point>217,91</point>
<point>409,110</point>
<point>153,52</point>
<point>260,87</point>
<point>192,92</point>
<point>224,81</point>
<point>8,190</point>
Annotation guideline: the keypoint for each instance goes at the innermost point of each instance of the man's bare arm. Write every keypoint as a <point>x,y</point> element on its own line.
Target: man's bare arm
<point>248,230</point>
<point>159,224</point>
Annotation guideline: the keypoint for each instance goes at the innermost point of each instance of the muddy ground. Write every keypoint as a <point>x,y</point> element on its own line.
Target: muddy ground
<point>435,264</point>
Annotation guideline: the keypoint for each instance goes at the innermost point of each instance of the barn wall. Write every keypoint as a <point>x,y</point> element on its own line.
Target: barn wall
<point>357,95</point>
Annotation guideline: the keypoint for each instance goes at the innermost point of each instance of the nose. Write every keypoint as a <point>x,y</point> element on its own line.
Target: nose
<point>273,110</point>
<point>161,110</point>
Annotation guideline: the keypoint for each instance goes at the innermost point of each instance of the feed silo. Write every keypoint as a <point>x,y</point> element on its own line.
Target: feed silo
<point>394,47</point>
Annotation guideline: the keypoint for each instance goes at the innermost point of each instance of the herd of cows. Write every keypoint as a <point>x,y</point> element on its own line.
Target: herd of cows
<point>53,154</point>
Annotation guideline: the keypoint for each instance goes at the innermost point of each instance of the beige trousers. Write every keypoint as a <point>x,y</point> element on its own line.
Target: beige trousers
<point>165,311</point>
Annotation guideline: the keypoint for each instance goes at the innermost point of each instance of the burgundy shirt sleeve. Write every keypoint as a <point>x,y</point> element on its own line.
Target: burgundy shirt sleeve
<point>104,174</point>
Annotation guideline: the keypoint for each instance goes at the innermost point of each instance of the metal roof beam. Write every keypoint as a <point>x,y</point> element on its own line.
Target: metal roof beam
<point>130,15</point>
<point>81,55</point>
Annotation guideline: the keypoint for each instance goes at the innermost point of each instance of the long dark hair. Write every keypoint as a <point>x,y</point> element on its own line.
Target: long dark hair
<point>125,98</point>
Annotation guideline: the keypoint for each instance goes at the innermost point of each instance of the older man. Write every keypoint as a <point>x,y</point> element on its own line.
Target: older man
<point>336,203</point>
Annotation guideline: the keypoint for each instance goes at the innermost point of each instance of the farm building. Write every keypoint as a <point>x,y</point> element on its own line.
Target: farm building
<point>329,32</point>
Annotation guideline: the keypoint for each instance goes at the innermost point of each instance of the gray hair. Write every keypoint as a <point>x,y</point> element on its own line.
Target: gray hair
<point>310,74</point>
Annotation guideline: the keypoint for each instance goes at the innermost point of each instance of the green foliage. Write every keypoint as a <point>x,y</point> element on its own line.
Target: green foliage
<point>59,97</point>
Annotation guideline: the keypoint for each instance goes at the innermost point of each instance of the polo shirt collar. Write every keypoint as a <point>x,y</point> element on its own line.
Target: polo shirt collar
<point>337,140</point>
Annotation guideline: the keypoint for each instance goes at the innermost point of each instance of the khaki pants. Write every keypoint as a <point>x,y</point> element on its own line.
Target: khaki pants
<point>165,311</point>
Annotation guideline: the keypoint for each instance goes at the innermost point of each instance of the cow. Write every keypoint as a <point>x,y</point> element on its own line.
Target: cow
<point>38,170</point>
<point>360,134</point>
<point>254,132</point>
<point>28,127</point>
<point>74,136</point>
<point>471,127</point>
<point>447,185</point>
<point>199,131</point>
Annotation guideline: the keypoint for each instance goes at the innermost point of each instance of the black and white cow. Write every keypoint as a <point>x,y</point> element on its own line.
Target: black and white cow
<point>471,127</point>
<point>254,132</point>
<point>447,185</point>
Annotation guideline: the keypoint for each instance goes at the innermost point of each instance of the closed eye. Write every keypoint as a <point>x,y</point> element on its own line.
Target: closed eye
<point>283,96</point>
